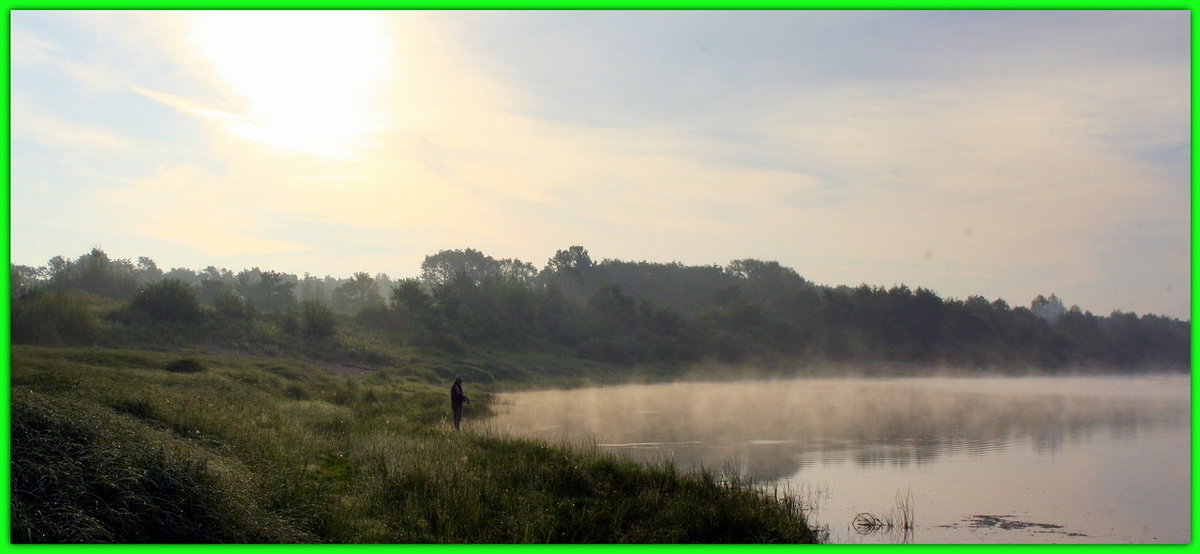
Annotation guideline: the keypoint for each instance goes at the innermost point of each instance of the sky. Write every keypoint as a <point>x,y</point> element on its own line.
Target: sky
<point>1001,154</point>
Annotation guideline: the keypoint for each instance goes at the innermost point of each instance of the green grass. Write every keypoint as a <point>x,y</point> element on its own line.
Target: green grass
<point>150,446</point>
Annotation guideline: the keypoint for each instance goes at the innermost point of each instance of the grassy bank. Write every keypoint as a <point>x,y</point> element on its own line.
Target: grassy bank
<point>141,446</point>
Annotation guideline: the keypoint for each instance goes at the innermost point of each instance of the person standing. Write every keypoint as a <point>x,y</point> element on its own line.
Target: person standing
<point>457,398</point>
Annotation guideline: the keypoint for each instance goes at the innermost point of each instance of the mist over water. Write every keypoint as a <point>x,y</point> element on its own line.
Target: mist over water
<point>963,447</point>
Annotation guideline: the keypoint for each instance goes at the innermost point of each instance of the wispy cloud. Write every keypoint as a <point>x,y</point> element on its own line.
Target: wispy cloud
<point>52,131</point>
<point>988,170</point>
<point>239,126</point>
<point>194,209</point>
<point>184,105</point>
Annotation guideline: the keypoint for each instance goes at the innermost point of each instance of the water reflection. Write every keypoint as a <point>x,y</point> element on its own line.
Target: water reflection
<point>1086,459</point>
<point>774,429</point>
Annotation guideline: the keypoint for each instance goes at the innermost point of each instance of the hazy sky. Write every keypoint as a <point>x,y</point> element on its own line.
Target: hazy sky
<point>1005,154</point>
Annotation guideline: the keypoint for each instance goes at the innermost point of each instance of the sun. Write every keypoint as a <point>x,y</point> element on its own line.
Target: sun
<point>309,79</point>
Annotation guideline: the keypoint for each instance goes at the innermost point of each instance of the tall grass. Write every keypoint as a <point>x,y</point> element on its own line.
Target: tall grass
<point>900,519</point>
<point>121,446</point>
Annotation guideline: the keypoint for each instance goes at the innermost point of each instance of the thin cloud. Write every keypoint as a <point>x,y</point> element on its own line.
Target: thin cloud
<point>184,105</point>
<point>236,125</point>
<point>1008,176</point>
<point>29,123</point>
<point>194,209</point>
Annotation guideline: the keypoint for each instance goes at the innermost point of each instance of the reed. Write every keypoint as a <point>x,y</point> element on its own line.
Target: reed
<point>900,518</point>
<point>904,510</point>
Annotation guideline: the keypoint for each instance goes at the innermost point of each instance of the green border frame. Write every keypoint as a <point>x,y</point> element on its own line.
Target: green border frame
<point>11,5</point>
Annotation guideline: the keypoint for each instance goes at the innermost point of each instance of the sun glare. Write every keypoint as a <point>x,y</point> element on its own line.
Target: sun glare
<point>309,79</point>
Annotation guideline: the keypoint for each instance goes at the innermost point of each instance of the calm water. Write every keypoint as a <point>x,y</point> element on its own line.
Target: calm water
<point>984,460</point>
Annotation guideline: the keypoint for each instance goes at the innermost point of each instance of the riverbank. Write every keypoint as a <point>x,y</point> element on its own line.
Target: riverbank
<point>150,446</point>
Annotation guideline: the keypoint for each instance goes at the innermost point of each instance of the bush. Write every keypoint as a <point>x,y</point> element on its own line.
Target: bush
<point>448,342</point>
<point>186,365</point>
<point>168,300</point>
<point>376,317</point>
<point>316,321</point>
<point>232,306</point>
<point>52,318</point>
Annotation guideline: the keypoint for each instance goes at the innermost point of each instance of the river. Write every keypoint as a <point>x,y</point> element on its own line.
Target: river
<point>969,460</point>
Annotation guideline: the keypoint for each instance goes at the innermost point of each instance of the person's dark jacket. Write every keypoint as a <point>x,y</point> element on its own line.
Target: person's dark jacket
<point>456,395</point>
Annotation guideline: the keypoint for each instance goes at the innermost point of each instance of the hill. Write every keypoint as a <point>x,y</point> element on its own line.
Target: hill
<point>143,446</point>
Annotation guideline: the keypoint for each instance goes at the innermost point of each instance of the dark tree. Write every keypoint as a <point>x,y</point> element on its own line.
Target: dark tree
<point>96,273</point>
<point>574,259</point>
<point>269,291</point>
<point>440,268</point>
<point>359,293</point>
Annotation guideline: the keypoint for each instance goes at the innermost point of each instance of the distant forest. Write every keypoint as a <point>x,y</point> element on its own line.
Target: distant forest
<point>749,311</point>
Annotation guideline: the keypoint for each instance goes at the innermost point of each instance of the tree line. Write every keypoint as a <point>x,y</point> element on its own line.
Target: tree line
<point>748,311</point>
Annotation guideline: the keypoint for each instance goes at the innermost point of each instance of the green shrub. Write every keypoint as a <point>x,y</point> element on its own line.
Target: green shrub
<point>52,318</point>
<point>230,305</point>
<point>168,300</point>
<point>448,342</point>
<point>316,321</point>
<point>186,365</point>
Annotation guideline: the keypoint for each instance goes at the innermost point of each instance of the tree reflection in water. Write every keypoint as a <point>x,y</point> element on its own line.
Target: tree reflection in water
<point>770,430</point>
